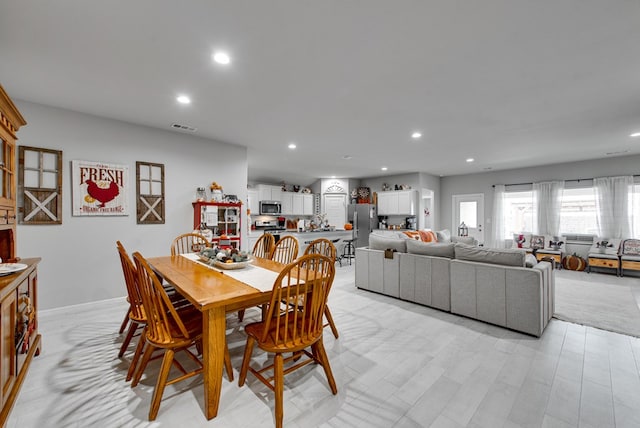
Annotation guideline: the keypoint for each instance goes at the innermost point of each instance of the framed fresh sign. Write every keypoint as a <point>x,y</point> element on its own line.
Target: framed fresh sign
<point>99,189</point>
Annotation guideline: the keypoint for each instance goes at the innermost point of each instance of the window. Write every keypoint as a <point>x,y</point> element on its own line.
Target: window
<point>635,211</point>
<point>518,212</point>
<point>578,212</point>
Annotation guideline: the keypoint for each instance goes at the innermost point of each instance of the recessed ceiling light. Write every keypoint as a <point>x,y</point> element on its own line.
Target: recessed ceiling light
<point>416,135</point>
<point>221,58</point>
<point>384,168</point>
<point>635,134</point>
<point>183,99</point>
<point>470,160</point>
<point>333,176</point>
<point>292,146</point>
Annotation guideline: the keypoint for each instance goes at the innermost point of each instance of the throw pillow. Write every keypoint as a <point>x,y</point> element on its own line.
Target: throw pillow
<point>555,242</point>
<point>427,236</point>
<point>443,235</point>
<point>521,240</point>
<point>412,234</point>
<point>530,260</point>
<point>631,247</point>
<point>437,249</point>
<point>469,240</point>
<point>379,242</point>
<point>537,242</point>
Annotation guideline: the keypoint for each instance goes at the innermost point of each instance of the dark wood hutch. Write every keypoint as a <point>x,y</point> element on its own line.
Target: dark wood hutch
<point>19,338</point>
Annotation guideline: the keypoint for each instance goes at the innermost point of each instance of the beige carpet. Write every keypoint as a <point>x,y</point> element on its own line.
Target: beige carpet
<point>598,300</point>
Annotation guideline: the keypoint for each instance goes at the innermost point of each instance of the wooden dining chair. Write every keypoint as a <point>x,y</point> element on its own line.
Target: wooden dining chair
<point>262,248</point>
<point>169,330</point>
<point>292,330</point>
<point>189,243</point>
<point>326,248</point>
<point>285,251</point>
<point>136,313</point>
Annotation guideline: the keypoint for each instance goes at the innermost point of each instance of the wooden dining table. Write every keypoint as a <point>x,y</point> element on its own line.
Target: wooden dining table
<point>214,293</point>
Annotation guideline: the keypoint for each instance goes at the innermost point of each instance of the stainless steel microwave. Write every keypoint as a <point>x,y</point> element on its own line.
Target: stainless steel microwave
<point>270,208</point>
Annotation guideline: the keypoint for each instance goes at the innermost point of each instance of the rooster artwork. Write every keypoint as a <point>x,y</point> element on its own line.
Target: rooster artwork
<point>99,188</point>
<point>102,195</point>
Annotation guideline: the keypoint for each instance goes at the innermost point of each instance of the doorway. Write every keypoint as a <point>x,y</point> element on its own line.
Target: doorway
<point>470,210</point>
<point>335,206</point>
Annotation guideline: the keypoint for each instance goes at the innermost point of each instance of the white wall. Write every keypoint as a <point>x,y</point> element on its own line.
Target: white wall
<point>79,258</point>
<point>483,182</point>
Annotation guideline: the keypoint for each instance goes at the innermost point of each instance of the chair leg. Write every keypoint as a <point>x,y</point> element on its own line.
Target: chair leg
<point>278,381</point>
<point>125,321</point>
<point>248,349</point>
<point>321,354</point>
<point>227,362</point>
<point>148,350</point>
<point>327,314</point>
<point>136,355</point>
<point>161,383</point>
<point>240,315</point>
<point>125,343</point>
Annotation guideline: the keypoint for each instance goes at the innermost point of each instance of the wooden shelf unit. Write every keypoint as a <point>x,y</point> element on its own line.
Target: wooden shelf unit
<point>222,218</point>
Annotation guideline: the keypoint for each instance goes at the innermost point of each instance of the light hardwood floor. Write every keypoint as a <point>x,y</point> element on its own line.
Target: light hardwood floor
<point>397,364</point>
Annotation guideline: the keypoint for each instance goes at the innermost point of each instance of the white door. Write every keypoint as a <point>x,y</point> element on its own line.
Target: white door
<point>470,210</point>
<point>335,206</point>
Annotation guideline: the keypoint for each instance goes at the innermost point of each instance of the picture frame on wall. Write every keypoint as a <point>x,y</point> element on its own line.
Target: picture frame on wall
<point>99,188</point>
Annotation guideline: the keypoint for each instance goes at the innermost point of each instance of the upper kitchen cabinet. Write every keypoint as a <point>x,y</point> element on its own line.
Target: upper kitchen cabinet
<point>297,203</point>
<point>401,202</point>
<point>10,122</point>
<point>253,201</point>
<point>269,192</point>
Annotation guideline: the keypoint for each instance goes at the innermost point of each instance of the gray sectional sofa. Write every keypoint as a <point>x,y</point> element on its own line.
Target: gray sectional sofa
<point>490,285</point>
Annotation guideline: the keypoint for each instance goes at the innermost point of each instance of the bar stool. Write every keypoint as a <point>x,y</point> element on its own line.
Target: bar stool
<point>348,251</point>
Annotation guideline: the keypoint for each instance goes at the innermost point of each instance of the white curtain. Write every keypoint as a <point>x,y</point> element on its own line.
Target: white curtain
<point>497,233</point>
<point>547,204</point>
<point>613,202</point>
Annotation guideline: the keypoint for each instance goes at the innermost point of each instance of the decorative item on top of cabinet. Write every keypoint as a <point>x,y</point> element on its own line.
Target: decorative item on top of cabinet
<point>39,185</point>
<point>150,193</point>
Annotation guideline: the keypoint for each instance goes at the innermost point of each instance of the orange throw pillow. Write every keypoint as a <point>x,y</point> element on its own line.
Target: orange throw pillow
<point>428,236</point>
<point>412,234</point>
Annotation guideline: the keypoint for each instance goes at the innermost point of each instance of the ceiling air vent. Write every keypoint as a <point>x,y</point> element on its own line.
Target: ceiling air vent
<point>183,127</point>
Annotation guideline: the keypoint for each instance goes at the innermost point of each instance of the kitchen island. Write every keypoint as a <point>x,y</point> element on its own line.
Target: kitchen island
<point>304,238</point>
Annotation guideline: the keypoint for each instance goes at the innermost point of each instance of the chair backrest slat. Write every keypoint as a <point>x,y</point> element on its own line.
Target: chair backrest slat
<point>322,246</point>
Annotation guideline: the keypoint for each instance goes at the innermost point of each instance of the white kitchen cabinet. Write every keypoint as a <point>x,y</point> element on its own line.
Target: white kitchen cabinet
<point>296,204</point>
<point>401,202</point>
<point>269,192</point>
<point>307,204</point>
<point>253,201</point>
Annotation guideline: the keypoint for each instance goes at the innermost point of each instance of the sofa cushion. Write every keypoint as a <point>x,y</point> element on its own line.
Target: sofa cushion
<point>379,242</point>
<point>443,235</point>
<point>469,240</point>
<point>437,249</point>
<point>505,257</point>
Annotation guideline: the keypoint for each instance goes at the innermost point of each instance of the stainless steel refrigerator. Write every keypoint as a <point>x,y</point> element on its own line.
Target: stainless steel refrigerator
<point>364,219</point>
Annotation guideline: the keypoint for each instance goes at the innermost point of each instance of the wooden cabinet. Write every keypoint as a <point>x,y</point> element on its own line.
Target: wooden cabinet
<point>10,122</point>
<point>401,202</point>
<point>19,337</point>
<point>222,218</point>
<point>268,192</point>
